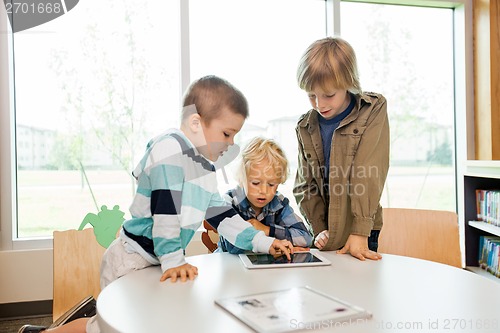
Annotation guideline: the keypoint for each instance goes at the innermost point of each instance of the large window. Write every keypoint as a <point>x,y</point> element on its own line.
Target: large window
<point>408,57</point>
<point>259,50</point>
<point>92,86</point>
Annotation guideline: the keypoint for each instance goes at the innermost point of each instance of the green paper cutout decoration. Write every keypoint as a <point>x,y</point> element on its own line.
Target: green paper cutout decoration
<point>106,224</point>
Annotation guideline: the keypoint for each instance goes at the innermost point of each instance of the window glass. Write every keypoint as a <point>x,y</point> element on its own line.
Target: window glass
<point>257,45</point>
<point>94,85</point>
<point>91,88</point>
<point>406,53</point>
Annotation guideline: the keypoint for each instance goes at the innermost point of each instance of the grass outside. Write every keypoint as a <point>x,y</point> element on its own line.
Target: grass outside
<point>60,200</point>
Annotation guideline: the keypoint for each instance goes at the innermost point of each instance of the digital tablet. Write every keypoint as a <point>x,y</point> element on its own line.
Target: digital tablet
<point>299,259</point>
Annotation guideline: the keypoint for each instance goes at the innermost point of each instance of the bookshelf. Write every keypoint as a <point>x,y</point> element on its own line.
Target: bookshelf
<point>484,175</point>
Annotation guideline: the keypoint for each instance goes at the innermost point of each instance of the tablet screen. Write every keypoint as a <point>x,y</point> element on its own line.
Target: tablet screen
<point>267,259</point>
<point>298,259</point>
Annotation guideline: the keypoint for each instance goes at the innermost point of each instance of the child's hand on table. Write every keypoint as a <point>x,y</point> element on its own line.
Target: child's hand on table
<point>357,246</point>
<point>321,239</point>
<point>183,272</point>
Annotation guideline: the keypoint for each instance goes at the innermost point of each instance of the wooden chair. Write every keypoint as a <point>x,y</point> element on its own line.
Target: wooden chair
<point>209,237</point>
<point>77,261</point>
<point>424,234</point>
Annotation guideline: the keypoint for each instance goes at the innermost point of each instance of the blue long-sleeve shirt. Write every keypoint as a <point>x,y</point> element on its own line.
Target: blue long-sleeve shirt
<point>277,214</point>
<point>176,191</point>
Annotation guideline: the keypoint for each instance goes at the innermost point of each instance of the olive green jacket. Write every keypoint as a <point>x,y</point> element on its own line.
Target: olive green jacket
<point>359,162</point>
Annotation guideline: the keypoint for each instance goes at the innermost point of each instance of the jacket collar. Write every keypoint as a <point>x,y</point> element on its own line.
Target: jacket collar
<point>310,119</point>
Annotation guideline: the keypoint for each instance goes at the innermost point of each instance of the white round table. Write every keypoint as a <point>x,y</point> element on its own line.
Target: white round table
<point>403,294</point>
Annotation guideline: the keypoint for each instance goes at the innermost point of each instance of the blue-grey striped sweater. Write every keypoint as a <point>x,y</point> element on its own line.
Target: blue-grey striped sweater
<point>176,191</point>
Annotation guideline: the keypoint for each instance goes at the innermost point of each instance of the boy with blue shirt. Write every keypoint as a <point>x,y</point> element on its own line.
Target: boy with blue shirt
<point>344,144</point>
<point>263,167</point>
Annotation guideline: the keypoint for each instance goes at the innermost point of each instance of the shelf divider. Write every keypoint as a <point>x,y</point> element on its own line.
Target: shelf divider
<point>488,227</point>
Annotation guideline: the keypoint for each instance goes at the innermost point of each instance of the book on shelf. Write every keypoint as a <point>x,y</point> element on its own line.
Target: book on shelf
<point>488,206</point>
<point>489,252</point>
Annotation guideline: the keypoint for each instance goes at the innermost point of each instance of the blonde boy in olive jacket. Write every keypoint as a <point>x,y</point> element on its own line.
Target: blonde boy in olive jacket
<point>343,152</point>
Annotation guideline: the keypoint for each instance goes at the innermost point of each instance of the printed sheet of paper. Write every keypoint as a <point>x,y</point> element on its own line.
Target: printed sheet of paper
<point>291,309</point>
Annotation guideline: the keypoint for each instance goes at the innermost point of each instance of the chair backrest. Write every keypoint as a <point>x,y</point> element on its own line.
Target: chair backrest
<point>209,237</point>
<point>424,234</point>
<point>77,261</point>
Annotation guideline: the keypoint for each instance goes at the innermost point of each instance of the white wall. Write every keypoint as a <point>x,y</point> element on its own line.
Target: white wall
<point>26,275</point>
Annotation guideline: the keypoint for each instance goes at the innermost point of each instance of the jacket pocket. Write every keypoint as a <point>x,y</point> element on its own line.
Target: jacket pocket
<point>350,137</point>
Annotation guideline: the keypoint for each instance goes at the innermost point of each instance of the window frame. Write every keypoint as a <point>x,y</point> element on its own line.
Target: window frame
<point>464,103</point>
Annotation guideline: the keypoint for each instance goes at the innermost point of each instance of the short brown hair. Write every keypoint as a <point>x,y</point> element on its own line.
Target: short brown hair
<point>210,95</point>
<point>329,62</point>
<point>260,149</point>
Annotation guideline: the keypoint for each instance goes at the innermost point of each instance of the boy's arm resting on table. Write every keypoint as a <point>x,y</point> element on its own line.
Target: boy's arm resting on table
<point>168,249</point>
<point>166,205</point>
<point>165,208</point>
<point>372,157</point>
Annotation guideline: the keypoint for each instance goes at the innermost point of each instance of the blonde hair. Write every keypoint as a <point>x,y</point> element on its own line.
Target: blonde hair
<point>329,62</point>
<point>260,150</point>
<point>209,95</point>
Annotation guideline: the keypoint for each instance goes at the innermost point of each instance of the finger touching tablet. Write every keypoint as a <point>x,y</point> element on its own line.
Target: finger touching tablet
<point>298,259</point>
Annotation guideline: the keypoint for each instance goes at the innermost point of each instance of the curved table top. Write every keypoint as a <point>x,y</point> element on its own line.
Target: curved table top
<point>403,294</point>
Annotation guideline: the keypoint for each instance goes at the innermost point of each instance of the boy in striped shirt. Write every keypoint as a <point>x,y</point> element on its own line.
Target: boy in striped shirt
<point>177,186</point>
<point>177,190</point>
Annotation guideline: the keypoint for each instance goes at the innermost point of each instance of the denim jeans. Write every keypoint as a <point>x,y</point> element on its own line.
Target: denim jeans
<point>373,240</point>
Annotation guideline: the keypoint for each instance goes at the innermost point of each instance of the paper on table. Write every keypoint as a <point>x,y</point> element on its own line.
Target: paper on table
<point>291,309</point>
